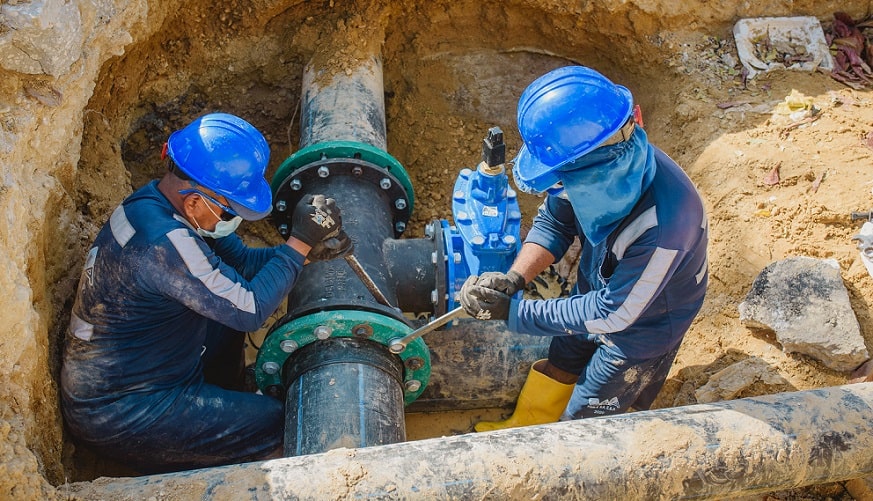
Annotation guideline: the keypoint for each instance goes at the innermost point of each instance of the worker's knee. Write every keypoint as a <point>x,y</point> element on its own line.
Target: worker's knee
<point>553,372</point>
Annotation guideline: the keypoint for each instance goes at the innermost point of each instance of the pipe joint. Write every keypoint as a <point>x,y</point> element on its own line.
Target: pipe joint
<point>308,168</point>
<point>305,330</point>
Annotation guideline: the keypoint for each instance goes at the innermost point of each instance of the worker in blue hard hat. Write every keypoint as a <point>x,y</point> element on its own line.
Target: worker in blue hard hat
<point>642,273</point>
<point>154,355</point>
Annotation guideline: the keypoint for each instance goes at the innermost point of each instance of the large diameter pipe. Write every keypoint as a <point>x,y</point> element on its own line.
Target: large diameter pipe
<point>345,107</point>
<point>740,447</point>
<point>366,219</point>
<point>343,392</point>
<point>346,392</point>
<point>477,365</point>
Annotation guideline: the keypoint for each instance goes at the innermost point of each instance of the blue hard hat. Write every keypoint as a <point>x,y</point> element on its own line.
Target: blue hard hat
<point>229,156</point>
<point>563,115</point>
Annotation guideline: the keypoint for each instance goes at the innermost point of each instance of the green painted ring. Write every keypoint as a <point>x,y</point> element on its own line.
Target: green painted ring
<point>343,149</point>
<point>343,323</point>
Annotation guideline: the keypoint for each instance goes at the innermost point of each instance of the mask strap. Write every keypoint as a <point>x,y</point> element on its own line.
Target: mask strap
<point>210,209</point>
<point>197,223</point>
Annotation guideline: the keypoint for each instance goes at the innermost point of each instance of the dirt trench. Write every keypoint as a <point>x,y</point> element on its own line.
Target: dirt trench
<point>451,71</point>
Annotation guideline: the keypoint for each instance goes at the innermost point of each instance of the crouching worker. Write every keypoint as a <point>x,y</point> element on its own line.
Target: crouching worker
<point>642,272</point>
<point>154,352</point>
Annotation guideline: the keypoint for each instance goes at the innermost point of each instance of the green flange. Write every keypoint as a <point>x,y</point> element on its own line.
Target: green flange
<point>343,149</point>
<point>287,338</point>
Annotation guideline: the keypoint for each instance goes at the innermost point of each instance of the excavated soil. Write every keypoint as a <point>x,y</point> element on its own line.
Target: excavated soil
<point>454,69</point>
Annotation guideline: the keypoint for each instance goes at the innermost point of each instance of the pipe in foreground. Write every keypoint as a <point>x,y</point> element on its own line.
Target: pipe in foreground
<point>733,448</point>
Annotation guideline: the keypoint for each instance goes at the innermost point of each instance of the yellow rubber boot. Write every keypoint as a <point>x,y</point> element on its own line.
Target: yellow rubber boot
<point>542,400</point>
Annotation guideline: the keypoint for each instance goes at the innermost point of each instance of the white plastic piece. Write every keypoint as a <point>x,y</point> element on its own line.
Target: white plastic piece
<point>866,250</point>
<point>803,34</point>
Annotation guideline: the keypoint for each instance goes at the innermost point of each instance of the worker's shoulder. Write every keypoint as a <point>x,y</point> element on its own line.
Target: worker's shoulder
<point>670,213</point>
<point>147,217</point>
<point>673,192</point>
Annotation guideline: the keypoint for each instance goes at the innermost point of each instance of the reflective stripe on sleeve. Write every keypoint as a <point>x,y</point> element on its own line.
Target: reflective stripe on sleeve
<point>217,283</point>
<point>122,230</point>
<point>80,328</point>
<point>633,231</point>
<point>640,296</point>
<point>702,273</point>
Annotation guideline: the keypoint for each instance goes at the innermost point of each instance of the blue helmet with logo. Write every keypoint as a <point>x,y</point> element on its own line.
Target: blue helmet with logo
<point>229,156</point>
<point>563,115</point>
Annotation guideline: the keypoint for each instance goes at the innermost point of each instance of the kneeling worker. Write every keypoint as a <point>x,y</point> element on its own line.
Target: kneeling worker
<point>642,273</point>
<point>155,345</point>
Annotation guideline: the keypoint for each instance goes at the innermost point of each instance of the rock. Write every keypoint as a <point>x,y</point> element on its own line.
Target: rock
<point>40,37</point>
<point>727,383</point>
<point>804,301</point>
<point>861,489</point>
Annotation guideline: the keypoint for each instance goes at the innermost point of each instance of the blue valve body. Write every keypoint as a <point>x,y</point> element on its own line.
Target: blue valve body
<point>486,235</point>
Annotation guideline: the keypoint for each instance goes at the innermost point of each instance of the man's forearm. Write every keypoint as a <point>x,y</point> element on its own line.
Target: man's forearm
<point>532,260</point>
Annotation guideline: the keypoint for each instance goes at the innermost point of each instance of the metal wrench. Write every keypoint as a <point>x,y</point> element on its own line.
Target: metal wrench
<point>399,344</point>
<point>368,282</point>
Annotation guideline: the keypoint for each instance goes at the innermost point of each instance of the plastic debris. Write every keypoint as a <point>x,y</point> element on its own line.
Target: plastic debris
<point>864,241</point>
<point>795,103</point>
<point>816,183</point>
<point>773,176</point>
<point>769,43</point>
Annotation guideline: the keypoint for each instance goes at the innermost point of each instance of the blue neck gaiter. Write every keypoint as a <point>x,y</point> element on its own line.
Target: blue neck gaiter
<point>604,185</point>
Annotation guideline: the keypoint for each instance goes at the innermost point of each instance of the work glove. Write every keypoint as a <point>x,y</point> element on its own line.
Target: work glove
<point>331,248</point>
<point>510,283</point>
<point>316,219</point>
<point>482,302</point>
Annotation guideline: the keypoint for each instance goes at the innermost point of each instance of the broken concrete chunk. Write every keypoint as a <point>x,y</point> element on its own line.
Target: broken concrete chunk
<point>40,37</point>
<point>727,383</point>
<point>794,43</point>
<point>804,302</point>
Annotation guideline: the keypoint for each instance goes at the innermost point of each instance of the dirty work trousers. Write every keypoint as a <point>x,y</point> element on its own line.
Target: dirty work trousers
<point>187,427</point>
<point>609,382</point>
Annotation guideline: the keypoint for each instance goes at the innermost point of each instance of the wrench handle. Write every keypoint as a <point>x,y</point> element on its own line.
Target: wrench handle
<point>368,282</point>
<point>398,345</point>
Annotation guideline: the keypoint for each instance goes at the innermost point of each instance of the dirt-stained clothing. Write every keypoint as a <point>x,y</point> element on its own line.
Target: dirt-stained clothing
<point>152,297</point>
<point>636,296</point>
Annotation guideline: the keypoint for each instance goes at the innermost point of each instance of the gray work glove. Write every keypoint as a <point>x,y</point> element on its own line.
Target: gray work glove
<point>331,248</point>
<point>315,219</point>
<point>510,282</point>
<point>482,302</point>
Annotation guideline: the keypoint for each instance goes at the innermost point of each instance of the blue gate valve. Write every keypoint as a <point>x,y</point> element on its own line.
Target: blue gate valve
<point>486,235</point>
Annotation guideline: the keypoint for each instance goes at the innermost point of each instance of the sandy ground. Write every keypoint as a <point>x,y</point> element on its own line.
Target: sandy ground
<point>775,184</point>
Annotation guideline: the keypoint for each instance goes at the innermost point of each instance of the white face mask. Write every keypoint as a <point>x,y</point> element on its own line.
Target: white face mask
<point>222,228</point>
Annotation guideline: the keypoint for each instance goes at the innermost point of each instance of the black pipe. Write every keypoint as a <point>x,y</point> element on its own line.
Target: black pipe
<point>345,392</point>
<point>344,106</point>
<point>342,392</point>
<point>413,265</point>
<point>332,284</point>
<point>477,365</point>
